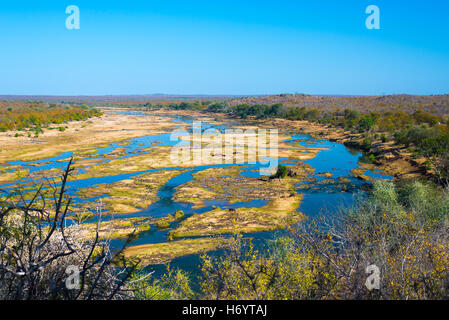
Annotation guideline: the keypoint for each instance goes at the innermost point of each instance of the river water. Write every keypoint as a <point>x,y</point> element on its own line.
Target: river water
<point>322,196</point>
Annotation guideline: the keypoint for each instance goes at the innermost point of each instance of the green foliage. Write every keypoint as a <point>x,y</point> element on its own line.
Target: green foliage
<point>368,158</point>
<point>297,113</point>
<point>436,150</point>
<point>80,217</point>
<point>312,115</point>
<point>402,229</point>
<point>163,224</point>
<point>281,172</point>
<point>416,134</point>
<point>431,143</point>
<point>179,214</point>
<point>38,130</point>
<point>352,114</point>
<point>216,107</point>
<point>173,285</point>
<point>22,115</point>
<point>434,145</point>
<point>425,117</point>
<point>366,144</point>
<point>366,123</point>
<point>427,202</point>
<point>414,127</point>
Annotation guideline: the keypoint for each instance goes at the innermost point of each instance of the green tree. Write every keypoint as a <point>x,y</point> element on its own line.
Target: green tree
<point>281,172</point>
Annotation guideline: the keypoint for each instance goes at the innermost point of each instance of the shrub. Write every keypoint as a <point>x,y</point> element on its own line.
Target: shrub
<point>368,158</point>
<point>162,224</point>
<point>436,150</point>
<point>37,249</point>
<point>366,123</point>
<point>281,172</point>
<point>179,214</point>
<point>173,285</point>
<point>403,230</point>
<point>366,144</point>
<point>23,115</point>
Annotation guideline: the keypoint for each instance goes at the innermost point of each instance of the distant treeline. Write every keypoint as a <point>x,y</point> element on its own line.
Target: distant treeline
<point>352,119</point>
<point>23,115</point>
<point>425,133</point>
<point>435,104</point>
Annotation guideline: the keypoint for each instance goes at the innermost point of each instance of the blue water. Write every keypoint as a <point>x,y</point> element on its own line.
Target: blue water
<point>322,196</point>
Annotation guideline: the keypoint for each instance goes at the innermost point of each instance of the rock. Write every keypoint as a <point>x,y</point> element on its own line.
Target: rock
<point>326,174</point>
<point>343,180</point>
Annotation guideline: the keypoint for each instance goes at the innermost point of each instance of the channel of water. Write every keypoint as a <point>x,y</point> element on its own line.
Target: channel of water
<point>320,196</point>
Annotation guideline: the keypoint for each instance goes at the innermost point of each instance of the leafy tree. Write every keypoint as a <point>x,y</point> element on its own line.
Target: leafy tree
<point>436,150</point>
<point>400,229</point>
<point>366,123</point>
<point>281,172</point>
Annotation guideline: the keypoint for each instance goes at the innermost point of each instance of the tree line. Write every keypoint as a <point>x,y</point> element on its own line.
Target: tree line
<point>22,115</point>
<point>401,229</point>
<point>426,134</point>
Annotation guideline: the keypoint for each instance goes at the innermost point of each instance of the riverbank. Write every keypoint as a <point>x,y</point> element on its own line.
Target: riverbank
<point>160,253</point>
<point>134,178</point>
<point>392,159</point>
<point>81,136</point>
<point>277,214</point>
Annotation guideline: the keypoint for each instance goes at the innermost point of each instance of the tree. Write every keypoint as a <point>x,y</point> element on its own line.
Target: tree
<point>401,230</point>
<point>281,172</point>
<point>37,250</point>
<point>366,123</point>
<point>312,114</point>
<point>436,151</point>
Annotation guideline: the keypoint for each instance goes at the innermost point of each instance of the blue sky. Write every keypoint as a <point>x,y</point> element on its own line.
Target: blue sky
<point>239,47</point>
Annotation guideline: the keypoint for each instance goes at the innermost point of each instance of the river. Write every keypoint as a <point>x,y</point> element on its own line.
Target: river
<point>322,196</point>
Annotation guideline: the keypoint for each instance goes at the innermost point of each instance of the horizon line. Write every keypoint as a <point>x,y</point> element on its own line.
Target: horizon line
<point>176,95</point>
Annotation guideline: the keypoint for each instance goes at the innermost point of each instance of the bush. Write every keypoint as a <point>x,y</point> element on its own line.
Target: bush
<point>368,158</point>
<point>281,172</point>
<point>366,144</point>
<point>436,150</point>
<point>37,250</point>
<point>162,224</point>
<point>173,285</point>
<point>366,123</point>
<point>23,115</point>
<point>179,214</point>
<point>403,230</point>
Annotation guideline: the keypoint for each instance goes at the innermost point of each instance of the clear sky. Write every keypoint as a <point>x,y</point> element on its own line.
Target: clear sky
<point>224,47</point>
